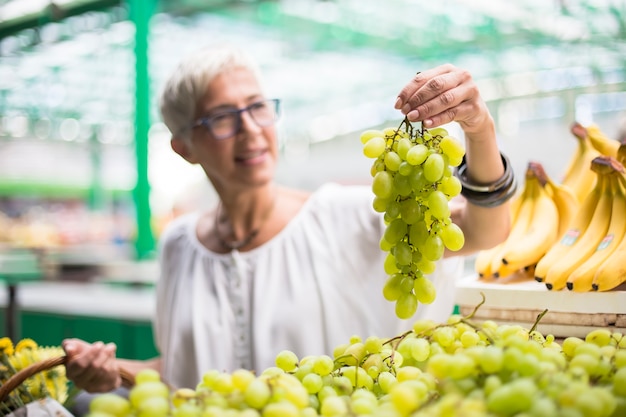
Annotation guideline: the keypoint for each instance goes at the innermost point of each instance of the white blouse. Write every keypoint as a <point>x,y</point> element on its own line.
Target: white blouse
<point>309,289</point>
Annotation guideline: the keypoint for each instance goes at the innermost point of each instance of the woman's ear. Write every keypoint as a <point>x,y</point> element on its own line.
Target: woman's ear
<point>182,147</point>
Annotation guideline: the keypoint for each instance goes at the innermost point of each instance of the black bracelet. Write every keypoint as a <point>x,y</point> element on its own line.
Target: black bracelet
<point>492,194</point>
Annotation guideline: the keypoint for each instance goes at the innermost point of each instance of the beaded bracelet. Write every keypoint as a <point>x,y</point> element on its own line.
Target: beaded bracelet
<point>492,194</point>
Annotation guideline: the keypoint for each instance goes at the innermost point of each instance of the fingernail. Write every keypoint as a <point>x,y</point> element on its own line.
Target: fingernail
<point>405,109</point>
<point>413,115</point>
<point>428,122</point>
<point>398,103</point>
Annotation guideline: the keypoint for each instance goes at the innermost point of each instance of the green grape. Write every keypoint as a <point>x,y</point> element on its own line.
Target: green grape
<point>281,409</point>
<point>452,237</point>
<point>404,144</point>
<point>451,148</point>
<point>193,410</point>
<point>406,284</point>
<point>402,185</point>
<point>433,167</point>
<point>405,169</point>
<point>373,344</point>
<point>391,290</point>
<point>393,209</point>
<point>424,290</point>
<point>426,266</point>
<point>313,383</point>
<point>287,361</point>
<point>153,407</point>
<point>410,211</point>
<point>417,154</point>
<point>386,380</point>
<point>403,253</point>
<point>323,365</point>
<point>182,396</point>
<point>384,245</point>
<point>380,204</point>
<point>408,395</point>
<point>433,248</point>
<point>374,147</point>
<point>420,349</point>
<point>437,131</point>
<point>491,359</point>
<point>395,231</point>
<point>619,359</point>
<point>543,407</point>
<point>450,186</point>
<point>438,205</point>
<point>589,404</point>
<point>418,233</point>
<point>382,184</point>
<point>406,305</point>
<point>469,339</point>
<point>588,348</point>
<point>369,134</point>
<point>599,337</point>
<point>392,161</point>
<point>570,344</point>
<point>110,403</point>
<point>146,390</point>
<point>619,382</point>
<point>512,398</point>
<point>334,406</point>
<point>416,178</point>
<point>588,363</point>
<point>390,266</point>
<point>147,375</point>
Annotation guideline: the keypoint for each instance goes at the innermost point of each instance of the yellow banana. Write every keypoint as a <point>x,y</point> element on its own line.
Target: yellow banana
<point>482,263</point>
<point>566,203</point>
<point>543,227</point>
<point>566,240</point>
<point>601,142</point>
<point>621,153</point>
<point>584,246</point>
<point>519,227</point>
<point>582,278</point>
<point>578,175</point>
<point>612,272</point>
<point>484,258</point>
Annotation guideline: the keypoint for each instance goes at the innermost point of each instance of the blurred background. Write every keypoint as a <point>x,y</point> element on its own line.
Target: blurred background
<point>87,177</point>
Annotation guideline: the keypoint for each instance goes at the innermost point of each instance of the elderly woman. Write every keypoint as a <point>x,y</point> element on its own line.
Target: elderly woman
<point>272,268</point>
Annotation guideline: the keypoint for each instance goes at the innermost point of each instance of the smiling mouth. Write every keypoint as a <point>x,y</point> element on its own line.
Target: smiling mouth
<point>251,157</point>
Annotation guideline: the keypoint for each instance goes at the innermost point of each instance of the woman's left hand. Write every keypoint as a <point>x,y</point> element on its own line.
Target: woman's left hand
<point>442,95</point>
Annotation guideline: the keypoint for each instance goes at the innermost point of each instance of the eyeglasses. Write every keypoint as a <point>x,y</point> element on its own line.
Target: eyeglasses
<point>226,123</point>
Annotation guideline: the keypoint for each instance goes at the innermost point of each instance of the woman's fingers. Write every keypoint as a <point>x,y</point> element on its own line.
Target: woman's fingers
<point>439,96</point>
<point>92,366</point>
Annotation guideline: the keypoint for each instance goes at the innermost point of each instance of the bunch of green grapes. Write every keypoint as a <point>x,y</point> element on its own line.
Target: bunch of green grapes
<point>458,368</point>
<point>413,183</point>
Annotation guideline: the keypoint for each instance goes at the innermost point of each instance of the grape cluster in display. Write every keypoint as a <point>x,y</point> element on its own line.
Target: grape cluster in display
<point>455,369</point>
<point>413,183</point>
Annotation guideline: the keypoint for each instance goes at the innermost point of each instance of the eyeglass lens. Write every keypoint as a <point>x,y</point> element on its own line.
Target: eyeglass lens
<point>226,124</point>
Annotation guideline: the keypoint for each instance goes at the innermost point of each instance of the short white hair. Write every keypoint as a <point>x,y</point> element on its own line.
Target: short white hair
<point>188,83</point>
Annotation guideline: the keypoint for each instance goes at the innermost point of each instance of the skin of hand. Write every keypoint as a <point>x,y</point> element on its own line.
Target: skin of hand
<point>447,94</point>
<point>92,366</point>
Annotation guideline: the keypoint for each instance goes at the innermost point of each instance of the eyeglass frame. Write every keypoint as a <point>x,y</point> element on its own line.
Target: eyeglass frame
<point>206,120</point>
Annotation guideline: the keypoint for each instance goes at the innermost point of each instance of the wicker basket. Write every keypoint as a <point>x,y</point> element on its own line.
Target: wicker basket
<point>18,378</point>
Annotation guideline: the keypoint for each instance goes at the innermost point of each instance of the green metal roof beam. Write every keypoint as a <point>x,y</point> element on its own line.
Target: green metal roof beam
<point>52,13</point>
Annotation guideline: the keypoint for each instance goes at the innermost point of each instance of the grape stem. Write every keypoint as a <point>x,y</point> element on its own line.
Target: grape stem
<point>539,317</point>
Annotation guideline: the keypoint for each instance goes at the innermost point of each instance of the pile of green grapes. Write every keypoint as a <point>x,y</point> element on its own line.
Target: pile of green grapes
<point>412,183</point>
<point>454,369</point>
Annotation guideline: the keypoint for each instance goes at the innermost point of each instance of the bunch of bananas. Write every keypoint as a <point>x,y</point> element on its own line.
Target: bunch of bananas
<point>569,234</point>
<point>590,254</point>
<point>540,213</point>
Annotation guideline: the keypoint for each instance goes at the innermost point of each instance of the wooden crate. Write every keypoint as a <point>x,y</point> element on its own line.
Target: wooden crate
<point>520,300</point>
